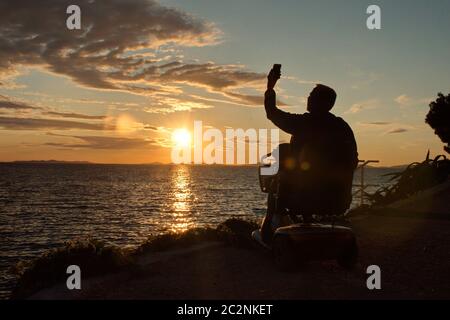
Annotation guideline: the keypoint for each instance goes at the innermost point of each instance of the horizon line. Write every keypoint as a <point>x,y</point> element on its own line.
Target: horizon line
<point>154,163</point>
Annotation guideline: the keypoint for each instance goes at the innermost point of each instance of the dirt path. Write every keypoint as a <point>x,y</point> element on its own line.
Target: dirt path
<point>413,253</point>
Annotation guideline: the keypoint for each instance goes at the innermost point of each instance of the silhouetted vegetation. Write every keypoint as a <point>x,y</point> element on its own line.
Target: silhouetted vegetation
<point>237,232</point>
<point>420,176</point>
<point>92,256</point>
<point>439,118</point>
<point>177,240</point>
<point>416,177</point>
<point>233,231</point>
<point>99,258</point>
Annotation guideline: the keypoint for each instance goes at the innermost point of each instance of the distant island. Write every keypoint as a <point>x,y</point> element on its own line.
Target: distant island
<point>50,162</point>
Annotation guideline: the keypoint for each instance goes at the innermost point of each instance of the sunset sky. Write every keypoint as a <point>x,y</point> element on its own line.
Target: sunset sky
<point>114,91</point>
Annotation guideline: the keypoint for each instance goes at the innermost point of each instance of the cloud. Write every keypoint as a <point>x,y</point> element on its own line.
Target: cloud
<point>109,29</point>
<point>12,123</point>
<point>171,104</point>
<point>16,106</point>
<point>212,76</point>
<point>397,130</point>
<point>355,108</point>
<point>63,100</point>
<point>149,127</point>
<point>406,101</point>
<point>99,142</point>
<point>379,123</point>
<point>251,100</point>
<point>74,115</point>
<point>123,45</point>
<point>121,123</point>
<point>403,100</point>
<point>384,128</point>
<point>364,105</point>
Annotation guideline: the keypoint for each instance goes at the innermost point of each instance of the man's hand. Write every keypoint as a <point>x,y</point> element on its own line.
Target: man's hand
<point>272,78</point>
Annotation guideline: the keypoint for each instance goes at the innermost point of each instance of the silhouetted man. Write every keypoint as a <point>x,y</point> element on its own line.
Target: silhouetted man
<point>323,155</point>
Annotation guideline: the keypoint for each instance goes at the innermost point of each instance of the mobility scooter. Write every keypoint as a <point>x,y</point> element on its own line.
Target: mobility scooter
<point>298,204</point>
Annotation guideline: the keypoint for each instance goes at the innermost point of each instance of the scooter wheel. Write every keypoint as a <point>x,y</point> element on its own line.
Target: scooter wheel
<point>349,257</point>
<point>283,254</point>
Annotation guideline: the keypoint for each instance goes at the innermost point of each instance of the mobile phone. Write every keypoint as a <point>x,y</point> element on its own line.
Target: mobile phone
<point>276,71</point>
<point>277,68</point>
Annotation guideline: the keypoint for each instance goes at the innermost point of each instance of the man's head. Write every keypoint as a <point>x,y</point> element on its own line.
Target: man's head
<point>321,99</point>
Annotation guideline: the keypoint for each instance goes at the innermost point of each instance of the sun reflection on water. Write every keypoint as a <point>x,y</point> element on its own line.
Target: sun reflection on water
<point>182,196</point>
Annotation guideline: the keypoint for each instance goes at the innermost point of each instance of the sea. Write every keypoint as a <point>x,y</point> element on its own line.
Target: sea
<point>42,205</point>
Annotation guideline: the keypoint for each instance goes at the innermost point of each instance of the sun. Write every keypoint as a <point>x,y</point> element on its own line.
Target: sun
<point>181,137</point>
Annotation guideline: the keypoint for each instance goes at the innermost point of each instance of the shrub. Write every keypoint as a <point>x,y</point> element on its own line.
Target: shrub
<point>232,231</point>
<point>92,256</point>
<point>439,118</point>
<point>416,177</point>
<point>177,240</point>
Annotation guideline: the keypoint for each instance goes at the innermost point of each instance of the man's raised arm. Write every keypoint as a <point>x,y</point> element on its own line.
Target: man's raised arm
<point>286,121</point>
